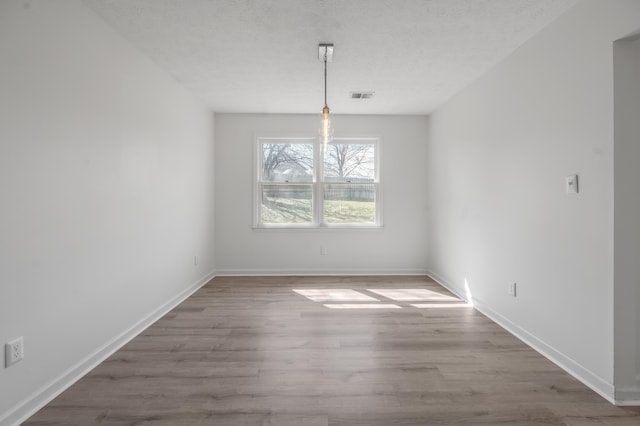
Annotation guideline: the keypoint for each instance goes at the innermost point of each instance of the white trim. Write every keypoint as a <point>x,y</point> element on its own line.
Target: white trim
<point>303,227</point>
<point>318,172</point>
<point>41,397</point>
<point>342,229</point>
<point>320,272</point>
<point>584,375</point>
<point>379,203</point>
<point>446,284</point>
<point>627,397</point>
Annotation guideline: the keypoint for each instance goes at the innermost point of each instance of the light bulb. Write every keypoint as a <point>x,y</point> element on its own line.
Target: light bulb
<point>326,129</point>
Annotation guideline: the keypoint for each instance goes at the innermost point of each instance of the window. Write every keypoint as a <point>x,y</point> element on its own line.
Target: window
<point>299,184</point>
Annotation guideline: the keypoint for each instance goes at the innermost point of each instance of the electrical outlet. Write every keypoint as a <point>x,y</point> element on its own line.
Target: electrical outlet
<point>512,289</point>
<point>13,351</point>
<point>195,260</point>
<point>323,250</point>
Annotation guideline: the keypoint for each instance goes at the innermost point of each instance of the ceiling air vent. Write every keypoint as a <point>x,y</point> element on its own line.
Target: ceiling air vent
<point>362,95</point>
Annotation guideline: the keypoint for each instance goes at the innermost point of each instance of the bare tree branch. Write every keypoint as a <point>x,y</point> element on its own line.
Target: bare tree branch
<point>280,157</point>
<point>346,160</point>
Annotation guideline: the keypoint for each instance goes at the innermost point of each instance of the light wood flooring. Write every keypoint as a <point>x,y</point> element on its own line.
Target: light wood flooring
<point>251,351</point>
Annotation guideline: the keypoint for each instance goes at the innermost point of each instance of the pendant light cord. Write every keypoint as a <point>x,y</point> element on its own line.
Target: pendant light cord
<point>325,76</point>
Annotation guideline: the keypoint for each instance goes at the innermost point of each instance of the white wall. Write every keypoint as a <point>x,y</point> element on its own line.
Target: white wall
<point>627,219</point>
<point>400,247</point>
<point>498,155</point>
<point>106,184</point>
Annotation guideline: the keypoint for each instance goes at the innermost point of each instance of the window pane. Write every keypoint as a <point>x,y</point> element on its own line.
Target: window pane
<point>349,203</point>
<point>286,204</point>
<point>283,162</point>
<point>349,163</point>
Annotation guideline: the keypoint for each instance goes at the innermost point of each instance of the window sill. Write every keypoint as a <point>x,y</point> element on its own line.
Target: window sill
<point>315,228</point>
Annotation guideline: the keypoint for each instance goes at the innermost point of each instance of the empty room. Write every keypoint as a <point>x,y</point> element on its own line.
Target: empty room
<point>319,212</point>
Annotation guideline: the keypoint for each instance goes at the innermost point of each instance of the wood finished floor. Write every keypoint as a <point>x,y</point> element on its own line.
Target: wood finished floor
<point>250,351</point>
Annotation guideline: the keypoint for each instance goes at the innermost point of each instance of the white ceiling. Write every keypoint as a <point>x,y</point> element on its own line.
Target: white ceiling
<point>262,55</point>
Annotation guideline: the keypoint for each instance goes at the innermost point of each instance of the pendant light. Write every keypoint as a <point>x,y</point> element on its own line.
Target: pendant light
<point>325,54</point>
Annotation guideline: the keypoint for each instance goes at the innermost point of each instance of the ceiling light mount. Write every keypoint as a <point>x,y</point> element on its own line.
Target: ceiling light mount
<point>325,50</point>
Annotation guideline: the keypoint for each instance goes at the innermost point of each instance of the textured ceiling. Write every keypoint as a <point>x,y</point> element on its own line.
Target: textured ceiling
<point>262,55</point>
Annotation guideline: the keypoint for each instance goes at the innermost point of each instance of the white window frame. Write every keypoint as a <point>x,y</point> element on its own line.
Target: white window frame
<point>317,182</point>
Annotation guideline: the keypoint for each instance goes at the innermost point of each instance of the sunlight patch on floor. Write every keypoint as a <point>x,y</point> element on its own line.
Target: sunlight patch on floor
<point>411,294</point>
<point>440,305</point>
<point>362,306</point>
<point>335,295</point>
<point>403,296</point>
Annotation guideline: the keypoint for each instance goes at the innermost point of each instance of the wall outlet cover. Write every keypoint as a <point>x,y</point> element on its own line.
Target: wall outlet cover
<point>13,351</point>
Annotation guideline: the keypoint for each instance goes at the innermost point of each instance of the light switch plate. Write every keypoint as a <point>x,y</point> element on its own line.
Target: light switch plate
<point>572,184</point>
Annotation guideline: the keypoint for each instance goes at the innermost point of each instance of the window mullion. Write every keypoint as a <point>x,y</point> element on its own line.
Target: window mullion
<point>258,184</point>
<point>318,186</point>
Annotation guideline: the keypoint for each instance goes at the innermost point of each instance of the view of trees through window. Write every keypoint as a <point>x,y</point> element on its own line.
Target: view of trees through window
<point>342,190</point>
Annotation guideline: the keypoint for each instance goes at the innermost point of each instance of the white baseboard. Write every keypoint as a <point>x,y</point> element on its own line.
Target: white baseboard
<point>628,397</point>
<point>448,285</point>
<point>30,405</point>
<point>321,272</point>
<point>584,375</point>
